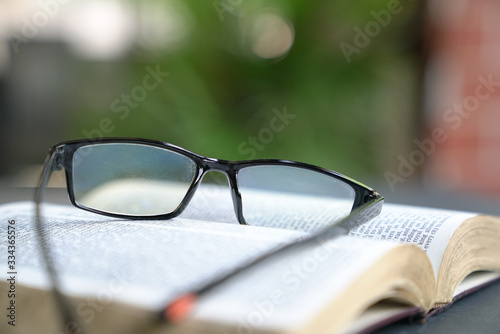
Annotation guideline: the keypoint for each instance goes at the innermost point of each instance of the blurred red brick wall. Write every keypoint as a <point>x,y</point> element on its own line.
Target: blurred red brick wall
<point>462,94</point>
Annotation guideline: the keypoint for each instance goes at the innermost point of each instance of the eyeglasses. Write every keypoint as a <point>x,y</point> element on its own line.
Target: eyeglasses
<point>144,179</point>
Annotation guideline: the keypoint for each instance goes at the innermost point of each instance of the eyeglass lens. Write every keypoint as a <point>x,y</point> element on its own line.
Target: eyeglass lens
<point>292,197</point>
<point>131,179</point>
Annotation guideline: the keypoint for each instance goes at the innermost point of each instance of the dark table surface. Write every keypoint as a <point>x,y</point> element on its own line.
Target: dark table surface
<point>476,313</point>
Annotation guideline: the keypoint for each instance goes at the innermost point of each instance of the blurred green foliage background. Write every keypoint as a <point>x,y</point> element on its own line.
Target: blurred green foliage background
<point>354,117</point>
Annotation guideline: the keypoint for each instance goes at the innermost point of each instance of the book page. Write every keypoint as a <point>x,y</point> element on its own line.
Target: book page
<point>428,228</point>
<point>213,202</point>
<point>292,289</point>
<point>267,208</point>
<point>473,281</point>
<point>144,263</point>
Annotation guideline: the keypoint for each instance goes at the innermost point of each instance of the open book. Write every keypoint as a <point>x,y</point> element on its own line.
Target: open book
<point>119,274</point>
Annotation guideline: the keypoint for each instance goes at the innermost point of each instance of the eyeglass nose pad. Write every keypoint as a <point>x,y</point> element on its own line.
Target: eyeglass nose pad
<point>236,196</point>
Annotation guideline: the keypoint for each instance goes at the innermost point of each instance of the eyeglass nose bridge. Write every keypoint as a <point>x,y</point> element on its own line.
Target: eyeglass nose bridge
<point>227,168</point>
<point>212,164</point>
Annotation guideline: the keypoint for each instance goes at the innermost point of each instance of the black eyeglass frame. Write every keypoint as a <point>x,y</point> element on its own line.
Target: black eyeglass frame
<point>61,157</point>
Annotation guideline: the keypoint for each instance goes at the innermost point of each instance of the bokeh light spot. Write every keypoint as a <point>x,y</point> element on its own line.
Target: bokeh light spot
<point>271,35</point>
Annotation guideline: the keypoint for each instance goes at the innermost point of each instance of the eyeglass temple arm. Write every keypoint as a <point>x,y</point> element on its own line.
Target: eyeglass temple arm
<point>50,165</point>
<point>181,307</point>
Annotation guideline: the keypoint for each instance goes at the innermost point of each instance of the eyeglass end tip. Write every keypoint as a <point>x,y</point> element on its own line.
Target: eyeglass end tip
<point>180,308</point>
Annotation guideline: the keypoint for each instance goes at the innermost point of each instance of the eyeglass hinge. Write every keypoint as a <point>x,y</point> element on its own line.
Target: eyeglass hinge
<point>373,195</point>
<point>58,159</point>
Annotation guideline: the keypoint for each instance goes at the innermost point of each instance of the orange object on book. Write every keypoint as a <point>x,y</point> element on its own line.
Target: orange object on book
<point>179,309</point>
